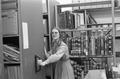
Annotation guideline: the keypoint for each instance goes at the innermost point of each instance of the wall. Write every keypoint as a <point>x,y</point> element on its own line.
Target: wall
<point>105,16</point>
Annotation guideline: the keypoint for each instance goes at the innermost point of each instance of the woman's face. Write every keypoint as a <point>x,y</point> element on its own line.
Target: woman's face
<point>55,34</point>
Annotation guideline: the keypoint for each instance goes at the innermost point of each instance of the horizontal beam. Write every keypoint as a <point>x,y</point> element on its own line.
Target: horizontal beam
<point>85,29</point>
<point>12,63</point>
<point>84,4</point>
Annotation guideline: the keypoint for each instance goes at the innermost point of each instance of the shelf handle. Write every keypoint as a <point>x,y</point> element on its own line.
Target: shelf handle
<point>37,67</point>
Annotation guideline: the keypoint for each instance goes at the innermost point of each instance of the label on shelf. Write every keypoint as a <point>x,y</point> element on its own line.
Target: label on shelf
<point>25,35</point>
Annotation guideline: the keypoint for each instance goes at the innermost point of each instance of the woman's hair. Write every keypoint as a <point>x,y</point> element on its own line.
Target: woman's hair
<point>58,42</point>
<point>56,29</point>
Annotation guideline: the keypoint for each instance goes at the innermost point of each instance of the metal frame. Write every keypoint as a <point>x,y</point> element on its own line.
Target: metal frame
<point>57,7</point>
<point>112,2</point>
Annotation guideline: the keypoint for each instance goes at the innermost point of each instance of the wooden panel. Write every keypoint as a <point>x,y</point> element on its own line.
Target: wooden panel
<point>31,13</point>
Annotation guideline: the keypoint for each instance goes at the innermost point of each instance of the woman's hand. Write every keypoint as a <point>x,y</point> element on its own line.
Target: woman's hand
<point>41,63</point>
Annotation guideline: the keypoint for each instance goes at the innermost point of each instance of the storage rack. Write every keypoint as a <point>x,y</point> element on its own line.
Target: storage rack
<point>11,35</point>
<point>16,60</point>
<point>71,30</point>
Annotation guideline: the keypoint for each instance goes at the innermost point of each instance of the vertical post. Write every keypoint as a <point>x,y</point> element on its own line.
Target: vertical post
<point>51,23</point>
<point>56,16</point>
<point>85,14</point>
<point>114,30</point>
<point>86,36</point>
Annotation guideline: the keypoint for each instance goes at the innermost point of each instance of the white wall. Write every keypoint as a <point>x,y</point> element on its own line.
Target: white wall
<point>105,16</point>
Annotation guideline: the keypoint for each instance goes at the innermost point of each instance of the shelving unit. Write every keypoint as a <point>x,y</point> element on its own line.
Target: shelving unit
<point>21,39</point>
<point>84,4</point>
<point>10,26</point>
<point>10,36</point>
<point>90,40</point>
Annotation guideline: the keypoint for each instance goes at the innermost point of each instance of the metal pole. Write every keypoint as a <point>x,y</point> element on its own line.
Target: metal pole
<point>114,30</point>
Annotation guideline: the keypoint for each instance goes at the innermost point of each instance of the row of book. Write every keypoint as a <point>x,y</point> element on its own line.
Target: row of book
<point>9,4</point>
<point>92,42</point>
<point>72,20</point>
<point>9,22</point>
<point>69,20</point>
<point>66,20</point>
<point>11,53</point>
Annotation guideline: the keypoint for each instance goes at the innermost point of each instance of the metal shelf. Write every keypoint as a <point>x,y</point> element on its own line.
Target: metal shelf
<point>11,35</point>
<point>84,29</point>
<point>100,56</point>
<point>12,1</point>
<point>78,56</point>
<point>87,29</point>
<point>16,9</point>
<point>117,9</point>
<point>92,56</point>
<point>96,9</point>
<point>117,37</point>
<point>12,63</point>
<point>45,15</point>
<point>84,4</point>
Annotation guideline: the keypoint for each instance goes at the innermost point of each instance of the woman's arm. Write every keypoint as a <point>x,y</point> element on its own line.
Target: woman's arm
<point>47,54</point>
<point>55,57</point>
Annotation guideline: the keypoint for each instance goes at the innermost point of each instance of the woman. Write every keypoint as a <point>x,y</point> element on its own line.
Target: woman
<point>59,54</point>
